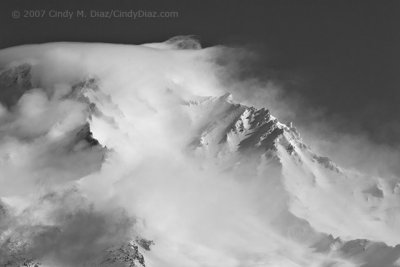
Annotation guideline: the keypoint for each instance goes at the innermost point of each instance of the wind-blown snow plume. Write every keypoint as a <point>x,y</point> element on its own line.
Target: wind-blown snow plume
<point>104,147</point>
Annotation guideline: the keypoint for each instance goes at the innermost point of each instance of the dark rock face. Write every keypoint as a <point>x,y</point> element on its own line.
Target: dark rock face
<point>13,253</point>
<point>264,136</point>
<point>254,130</point>
<point>184,42</point>
<point>91,83</point>
<point>290,149</point>
<point>263,130</point>
<point>128,254</point>
<point>85,134</point>
<point>326,162</point>
<point>14,82</point>
<point>144,243</point>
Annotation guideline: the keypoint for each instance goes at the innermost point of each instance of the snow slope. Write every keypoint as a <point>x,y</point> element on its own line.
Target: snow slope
<point>104,145</point>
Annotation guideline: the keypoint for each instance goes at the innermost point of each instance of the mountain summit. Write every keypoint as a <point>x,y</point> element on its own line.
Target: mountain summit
<point>101,145</point>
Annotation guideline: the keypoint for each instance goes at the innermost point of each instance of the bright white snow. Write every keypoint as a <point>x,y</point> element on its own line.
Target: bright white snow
<point>176,164</point>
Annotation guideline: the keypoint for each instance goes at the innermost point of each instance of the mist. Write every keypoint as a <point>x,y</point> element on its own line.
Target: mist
<point>110,142</point>
<point>330,131</point>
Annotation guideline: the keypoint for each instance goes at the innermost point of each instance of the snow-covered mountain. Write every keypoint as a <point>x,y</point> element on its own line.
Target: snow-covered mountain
<point>210,181</point>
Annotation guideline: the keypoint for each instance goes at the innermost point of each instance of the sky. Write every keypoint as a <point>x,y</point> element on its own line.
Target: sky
<point>178,162</point>
<point>330,67</point>
<point>340,59</point>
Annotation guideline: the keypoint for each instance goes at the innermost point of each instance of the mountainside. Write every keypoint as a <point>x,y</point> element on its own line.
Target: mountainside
<point>212,182</point>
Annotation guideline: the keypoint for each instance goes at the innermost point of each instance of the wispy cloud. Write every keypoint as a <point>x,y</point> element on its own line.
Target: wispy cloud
<point>134,173</point>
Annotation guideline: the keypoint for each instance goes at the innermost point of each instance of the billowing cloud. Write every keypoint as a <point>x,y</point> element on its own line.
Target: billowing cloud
<point>104,143</point>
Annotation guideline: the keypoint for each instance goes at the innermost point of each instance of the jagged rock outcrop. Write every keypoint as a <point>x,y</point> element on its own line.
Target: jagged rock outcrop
<point>234,133</point>
<point>128,255</point>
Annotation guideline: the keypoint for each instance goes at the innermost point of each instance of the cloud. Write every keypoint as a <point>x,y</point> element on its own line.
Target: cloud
<point>120,123</point>
<point>40,141</point>
<point>62,228</point>
<point>334,133</point>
